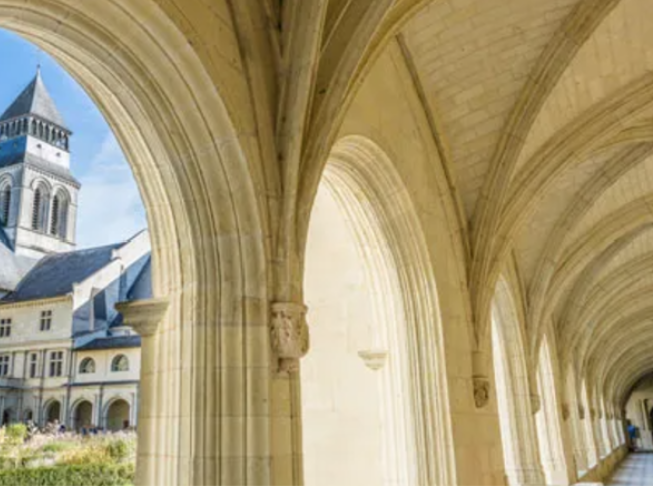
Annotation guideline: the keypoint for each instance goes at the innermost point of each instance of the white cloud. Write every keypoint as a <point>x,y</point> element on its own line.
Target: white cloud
<point>110,208</point>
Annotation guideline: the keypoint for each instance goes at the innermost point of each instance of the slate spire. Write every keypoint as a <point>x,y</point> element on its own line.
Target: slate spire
<point>35,100</point>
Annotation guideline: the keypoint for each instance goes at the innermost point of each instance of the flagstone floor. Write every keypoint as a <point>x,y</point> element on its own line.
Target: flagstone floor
<point>637,470</point>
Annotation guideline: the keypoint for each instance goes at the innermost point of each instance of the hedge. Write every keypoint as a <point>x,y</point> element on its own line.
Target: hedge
<point>86,475</point>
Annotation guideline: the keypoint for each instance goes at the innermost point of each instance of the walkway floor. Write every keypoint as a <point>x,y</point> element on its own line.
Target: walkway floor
<point>637,470</point>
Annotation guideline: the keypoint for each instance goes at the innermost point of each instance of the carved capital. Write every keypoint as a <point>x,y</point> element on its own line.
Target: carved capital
<point>581,412</point>
<point>481,391</point>
<point>536,403</point>
<point>374,359</point>
<point>143,315</point>
<point>565,412</point>
<point>289,334</point>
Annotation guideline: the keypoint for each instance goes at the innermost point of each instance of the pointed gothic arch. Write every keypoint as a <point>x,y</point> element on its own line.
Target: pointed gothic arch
<point>379,212</point>
<point>513,390</point>
<point>60,213</point>
<point>6,191</point>
<point>40,206</point>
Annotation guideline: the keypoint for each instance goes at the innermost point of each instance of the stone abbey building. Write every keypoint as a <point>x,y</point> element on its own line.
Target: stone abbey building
<point>65,353</point>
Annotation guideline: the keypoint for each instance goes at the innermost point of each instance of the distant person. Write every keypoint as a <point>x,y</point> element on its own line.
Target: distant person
<point>633,433</point>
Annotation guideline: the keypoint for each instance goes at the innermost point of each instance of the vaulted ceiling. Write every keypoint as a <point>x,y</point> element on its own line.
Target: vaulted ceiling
<point>546,110</point>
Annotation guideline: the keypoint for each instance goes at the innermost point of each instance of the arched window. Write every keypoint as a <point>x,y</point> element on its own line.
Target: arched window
<point>34,127</point>
<point>59,219</point>
<point>5,201</point>
<point>87,366</point>
<point>25,126</point>
<point>36,208</point>
<point>54,222</point>
<point>120,363</point>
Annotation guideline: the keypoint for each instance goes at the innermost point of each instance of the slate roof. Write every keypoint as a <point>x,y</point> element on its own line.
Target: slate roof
<point>34,100</point>
<point>112,342</point>
<point>12,267</point>
<point>55,274</point>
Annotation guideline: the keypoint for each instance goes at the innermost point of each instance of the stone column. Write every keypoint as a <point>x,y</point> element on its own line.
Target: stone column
<point>145,317</point>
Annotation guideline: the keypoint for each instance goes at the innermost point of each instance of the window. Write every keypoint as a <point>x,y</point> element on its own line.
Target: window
<point>56,363</point>
<point>6,205</point>
<point>33,365</point>
<point>5,327</point>
<point>87,366</point>
<point>36,209</point>
<point>54,223</point>
<point>120,363</point>
<point>4,364</point>
<point>46,320</point>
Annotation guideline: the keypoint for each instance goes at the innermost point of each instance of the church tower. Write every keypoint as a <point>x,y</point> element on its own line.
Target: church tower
<point>38,194</point>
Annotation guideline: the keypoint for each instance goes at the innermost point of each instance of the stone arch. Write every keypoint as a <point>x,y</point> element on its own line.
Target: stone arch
<point>8,416</point>
<point>117,414</point>
<point>28,415</point>
<point>52,411</point>
<point>60,214</point>
<point>203,188</point>
<point>515,400</point>
<point>82,414</point>
<point>379,213</point>
<point>551,416</point>
<point>40,204</point>
<point>6,196</point>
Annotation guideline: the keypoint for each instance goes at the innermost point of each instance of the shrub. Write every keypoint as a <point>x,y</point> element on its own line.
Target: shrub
<point>59,446</point>
<point>77,475</point>
<point>118,450</point>
<point>91,454</point>
<point>16,433</point>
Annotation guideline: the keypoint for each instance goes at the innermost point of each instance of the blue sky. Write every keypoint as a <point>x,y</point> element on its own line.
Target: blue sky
<point>110,207</point>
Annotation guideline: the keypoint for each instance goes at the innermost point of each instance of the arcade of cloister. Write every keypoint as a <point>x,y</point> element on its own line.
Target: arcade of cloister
<point>398,242</point>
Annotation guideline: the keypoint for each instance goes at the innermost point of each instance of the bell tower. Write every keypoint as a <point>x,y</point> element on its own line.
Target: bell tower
<point>38,193</point>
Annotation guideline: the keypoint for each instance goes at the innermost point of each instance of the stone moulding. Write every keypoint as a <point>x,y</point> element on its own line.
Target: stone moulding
<point>374,359</point>
<point>565,412</point>
<point>144,315</point>
<point>289,334</point>
<point>536,403</point>
<point>481,391</point>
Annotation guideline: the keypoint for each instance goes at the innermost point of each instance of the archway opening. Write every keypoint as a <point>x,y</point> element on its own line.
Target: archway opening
<point>549,419</point>
<point>53,412</point>
<point>7,416</point>
<point>514,399</point>
<point>118,416</point>
<point>369,292</point>
<point>83,416</point>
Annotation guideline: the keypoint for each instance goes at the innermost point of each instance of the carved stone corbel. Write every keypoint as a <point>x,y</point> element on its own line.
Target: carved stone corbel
<point>143,315</point>
<point>536,403</point>
<point>289,334</point>
<point>481,391</point>
<point>565,412</point>
<point>481,383</point>
<point>374,359</point>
